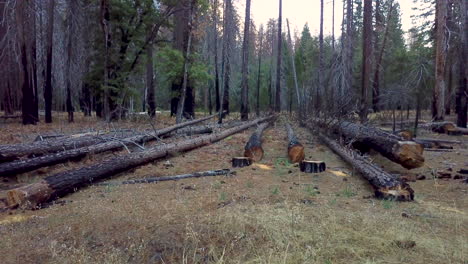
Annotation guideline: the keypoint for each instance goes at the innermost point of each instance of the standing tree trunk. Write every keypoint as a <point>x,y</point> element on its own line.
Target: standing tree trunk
<point>462,92</point>
<point>333,26</point>
<point>226,56</point>
<point>296,85</point>
<point>366,60</point>
<point>181,103</point>
<point>321,88</point>
<point>150,81</point>
<point>438,96</point>
<point>69,103</point>
<point>245,66</point>
<point>48,80</point>
<point>278,64</point>
<point>217,80</point>
<point>379,56</point>
<point>27,89</point>
<point>259,75</point>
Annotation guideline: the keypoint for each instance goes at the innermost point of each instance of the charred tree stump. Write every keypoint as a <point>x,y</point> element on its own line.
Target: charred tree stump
<point>240,162</point>
<point>253,148</point>
<point>295,149</point>
<point>58,185</point>
<point>309,166</point>
<point>22,166</point>
<point>386,186</point>
<point>408,154</point>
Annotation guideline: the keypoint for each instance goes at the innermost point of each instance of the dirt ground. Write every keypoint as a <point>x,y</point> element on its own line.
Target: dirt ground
<point>269,212</point>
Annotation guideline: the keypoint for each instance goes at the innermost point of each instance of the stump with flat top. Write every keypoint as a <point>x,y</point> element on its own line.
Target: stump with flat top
<point>295,148</point>
<point>310,166</point>
<point>240,162</point>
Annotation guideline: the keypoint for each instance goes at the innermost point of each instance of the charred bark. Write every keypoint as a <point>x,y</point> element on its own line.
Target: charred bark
<point>295,148</point>
<point>58,185</point>
<point>16,167</point>
<point>406,153</point>
<point>386,186</point>
<point>253,149</point>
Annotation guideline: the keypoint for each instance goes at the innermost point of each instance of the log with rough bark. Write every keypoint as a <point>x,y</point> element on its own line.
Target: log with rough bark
<point>58,185</point>
<point>253,149</point>
<point>16,151</point>
<point>172,178</point>
<point>445,128</point>
<point>408,154</point>
<point>295,148</point>
<point>22,166</point>
<point>386,185</point>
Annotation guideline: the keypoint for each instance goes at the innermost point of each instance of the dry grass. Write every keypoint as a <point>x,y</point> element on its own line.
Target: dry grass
<point>268,213</point>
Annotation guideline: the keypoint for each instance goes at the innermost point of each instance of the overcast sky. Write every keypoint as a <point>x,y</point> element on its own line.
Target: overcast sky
<point>300,12</point>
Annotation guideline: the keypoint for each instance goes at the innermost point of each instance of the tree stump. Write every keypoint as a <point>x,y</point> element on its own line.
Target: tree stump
<point>240,162</point>
<point>309,166</point>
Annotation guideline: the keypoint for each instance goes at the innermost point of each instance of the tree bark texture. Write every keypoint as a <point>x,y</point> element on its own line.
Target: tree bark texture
<point>58,185</point>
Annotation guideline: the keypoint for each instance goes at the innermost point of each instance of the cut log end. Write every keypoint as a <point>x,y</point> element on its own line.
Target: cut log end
<point>29,196</point>
<point>402,192</point>
<point>406,134</point>
<point>410,154</point>
<point>240,162</point>
<point>309,166</point>
<point>255,154</point>
<point>296,153</point>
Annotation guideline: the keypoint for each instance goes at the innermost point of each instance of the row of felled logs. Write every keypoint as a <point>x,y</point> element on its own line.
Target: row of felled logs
<point>60,184</point>
<point>22,166</point>
<point>448,128</point>
<point>408,154</point>
<point>385,185</point>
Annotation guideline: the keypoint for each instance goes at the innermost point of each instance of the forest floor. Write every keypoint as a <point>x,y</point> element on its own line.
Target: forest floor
<point>269,212</point>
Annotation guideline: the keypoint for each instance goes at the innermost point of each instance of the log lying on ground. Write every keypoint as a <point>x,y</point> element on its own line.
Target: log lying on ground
<point>58,185</point>
<point>408,154</point>
<point>22,166</point>
<point>402,123</point>
<point>10,116</point>
<point>16,151</point>
<point>253,149</point>
<point>385,185</point>
<point>295,148</point>
<point>48,137</point>
<point>445,128</point>
<point>172,178</point>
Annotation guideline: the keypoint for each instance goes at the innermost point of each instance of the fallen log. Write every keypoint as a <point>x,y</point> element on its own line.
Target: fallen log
<point>408,154</point>
<point>386,186</point>
<point>295,148</point>
<point>39,148</point>
<point>253,149</point>
<point>445,128</point>
<point>22,166</point>
<point>48,137</point>
<point>58,185</point>
<point>172,178</point>
<point>401,123</point>
<point>10,116</point>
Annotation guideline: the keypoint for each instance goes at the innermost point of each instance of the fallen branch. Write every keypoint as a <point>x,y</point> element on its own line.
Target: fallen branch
<point>171,178</point>
<point>22,166</point>
<point>58,185</point>
<point>385,185</point>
